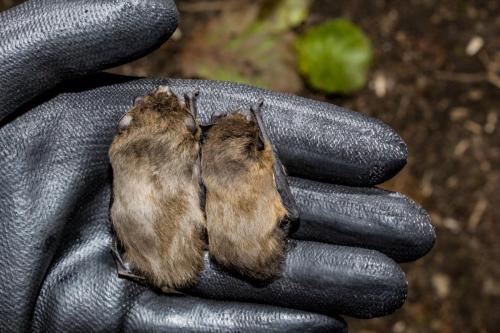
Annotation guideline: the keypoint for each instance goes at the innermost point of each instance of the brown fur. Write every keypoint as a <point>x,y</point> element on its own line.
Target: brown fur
<point>243,206</point>
<point>156,212</point>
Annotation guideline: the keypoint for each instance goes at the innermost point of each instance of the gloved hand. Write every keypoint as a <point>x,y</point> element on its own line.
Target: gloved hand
<point>57,272</point>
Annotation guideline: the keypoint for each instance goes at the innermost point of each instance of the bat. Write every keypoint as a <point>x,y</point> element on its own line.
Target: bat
<point>156,212</point>
<point>248,202</point>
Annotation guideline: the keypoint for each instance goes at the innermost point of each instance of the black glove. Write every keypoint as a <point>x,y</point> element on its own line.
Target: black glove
<point>57,272</point>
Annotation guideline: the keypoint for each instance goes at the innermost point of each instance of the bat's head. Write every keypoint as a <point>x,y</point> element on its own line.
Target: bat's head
<point>161,112</point>
<point>234,141</point>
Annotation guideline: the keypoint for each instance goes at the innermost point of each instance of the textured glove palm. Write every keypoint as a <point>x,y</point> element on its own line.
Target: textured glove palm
<point>57,272</point>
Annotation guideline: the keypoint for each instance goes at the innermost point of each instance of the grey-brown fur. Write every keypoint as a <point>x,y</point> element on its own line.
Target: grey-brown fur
<point>156,212</point>
<point>243,206</point>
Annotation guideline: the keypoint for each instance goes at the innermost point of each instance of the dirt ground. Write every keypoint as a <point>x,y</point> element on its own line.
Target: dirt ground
<point>435,80</point>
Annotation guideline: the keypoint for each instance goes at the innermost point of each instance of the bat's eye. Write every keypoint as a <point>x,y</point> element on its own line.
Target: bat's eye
<point>260,144</point>
<point>124,122</point>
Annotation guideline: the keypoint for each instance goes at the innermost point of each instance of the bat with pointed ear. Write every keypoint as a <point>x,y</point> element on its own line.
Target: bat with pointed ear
<point>156,212</point>
<point>248,202</point>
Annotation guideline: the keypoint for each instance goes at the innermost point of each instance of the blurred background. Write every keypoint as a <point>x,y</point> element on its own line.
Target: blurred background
<point>430,69</point>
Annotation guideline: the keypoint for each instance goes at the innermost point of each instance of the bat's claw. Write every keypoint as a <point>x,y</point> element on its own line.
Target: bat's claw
<point>122,267</point>
<point>171,291</point>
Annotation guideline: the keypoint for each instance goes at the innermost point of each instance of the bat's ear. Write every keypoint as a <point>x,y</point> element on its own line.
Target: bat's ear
<point>260,143</point>
<point>216,117</point>
<point>138,100</point>
<point>191,101</point>
<point>124,122</point>
<point>286,195</point>
<point>190,123</point>
<point>255,113</point>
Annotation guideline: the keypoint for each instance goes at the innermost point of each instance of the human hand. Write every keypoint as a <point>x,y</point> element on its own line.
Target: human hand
<point>57,270</point>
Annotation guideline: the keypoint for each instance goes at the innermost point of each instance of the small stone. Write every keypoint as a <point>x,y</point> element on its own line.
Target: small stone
<point>399,327</point>
<point>491,287</point>
<point>452,182</point>
<point>441,284</point>
<point>474,45</point>
<point>426,184</point>
<point>451,224</point>
<point>380,85</point>
<point>461,147</point>
<point>177,35</point>
<point>475,94</point>
<point>459,113</point>
<point>473,127</point>
<point>491,122</point>
<point>477,213</point>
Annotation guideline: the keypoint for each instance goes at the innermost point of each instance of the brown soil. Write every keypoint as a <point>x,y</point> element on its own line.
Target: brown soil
<point>449,121</point>
<point>445,103</point>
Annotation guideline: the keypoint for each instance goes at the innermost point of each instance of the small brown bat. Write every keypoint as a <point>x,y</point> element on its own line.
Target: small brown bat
<point>248,201</point>
<point>156,211</point>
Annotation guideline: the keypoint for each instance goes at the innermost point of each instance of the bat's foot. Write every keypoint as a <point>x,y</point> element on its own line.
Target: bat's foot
<point>122,266</point>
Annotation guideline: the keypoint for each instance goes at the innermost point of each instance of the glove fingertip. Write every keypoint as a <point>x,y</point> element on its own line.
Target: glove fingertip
<point>73,39</point>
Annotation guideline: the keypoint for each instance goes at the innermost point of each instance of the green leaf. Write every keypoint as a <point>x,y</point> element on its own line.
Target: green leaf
<point>334,57</point>
<point>281,15</point>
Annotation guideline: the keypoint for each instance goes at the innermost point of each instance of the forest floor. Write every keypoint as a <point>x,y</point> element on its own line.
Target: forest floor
<point>435,81</point>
